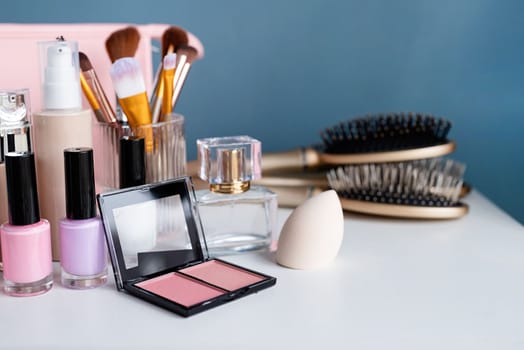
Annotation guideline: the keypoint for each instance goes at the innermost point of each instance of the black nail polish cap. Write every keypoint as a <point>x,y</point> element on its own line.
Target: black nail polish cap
<point>79,183</point>
<point>22,195</point>
<point>132,161</point>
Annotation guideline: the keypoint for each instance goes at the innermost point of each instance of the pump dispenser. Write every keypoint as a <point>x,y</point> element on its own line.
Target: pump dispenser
<point>236,216</point>
<point>61,124</point>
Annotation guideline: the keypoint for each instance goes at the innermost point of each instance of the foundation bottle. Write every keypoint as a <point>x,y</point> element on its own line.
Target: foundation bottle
<point>61,124</point>
<point>236,216</point>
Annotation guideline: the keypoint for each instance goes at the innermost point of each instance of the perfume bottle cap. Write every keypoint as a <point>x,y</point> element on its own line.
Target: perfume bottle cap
<point>22,195</point>
<point>229,160</point>
<point>132,161</point>
<point>14,108</point>
<point>15,122</point>
<point>79,183</point>
<point>60,74</point>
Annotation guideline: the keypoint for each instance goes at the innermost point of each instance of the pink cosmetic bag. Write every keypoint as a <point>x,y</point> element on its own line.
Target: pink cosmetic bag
<point>19,61</point>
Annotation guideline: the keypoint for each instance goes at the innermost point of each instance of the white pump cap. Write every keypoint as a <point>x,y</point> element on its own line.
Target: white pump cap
<point>60,75</point>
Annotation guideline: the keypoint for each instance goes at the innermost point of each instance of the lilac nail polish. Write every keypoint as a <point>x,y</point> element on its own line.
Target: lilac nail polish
<point>82,243</point>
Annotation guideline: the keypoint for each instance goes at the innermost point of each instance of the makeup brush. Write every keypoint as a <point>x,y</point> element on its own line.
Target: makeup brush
<point>185,57</point>
<point>129,85</point>
<point>90,96</point>
<point>94,92</point>
<point>172,38</point>
<point>168,75</point>
<point>372,139</point>
<point>122,43</point>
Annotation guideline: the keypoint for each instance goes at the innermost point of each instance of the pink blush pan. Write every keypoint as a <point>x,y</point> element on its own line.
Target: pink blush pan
<point>180,289</point>
<point>223,275</point>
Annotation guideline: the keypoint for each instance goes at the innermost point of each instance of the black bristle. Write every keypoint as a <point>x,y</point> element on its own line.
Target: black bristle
<point>391,132</point>
<point>391,198</point>
<point>425,183</point>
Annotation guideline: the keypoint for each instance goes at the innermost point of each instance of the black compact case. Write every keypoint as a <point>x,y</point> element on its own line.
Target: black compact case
<point>159,253</point>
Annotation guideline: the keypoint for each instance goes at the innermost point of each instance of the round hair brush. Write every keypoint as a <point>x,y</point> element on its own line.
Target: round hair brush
<point>372,139</point>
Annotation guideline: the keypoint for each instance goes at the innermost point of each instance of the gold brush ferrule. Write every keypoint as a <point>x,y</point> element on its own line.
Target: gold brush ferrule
<point>136,108</point>
<point>107,112</point>
<point>168,76</point>
<point>156,101</point>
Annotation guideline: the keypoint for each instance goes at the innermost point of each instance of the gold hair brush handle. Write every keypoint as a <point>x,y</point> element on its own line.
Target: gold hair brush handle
<point>303,158</point>
<point>295,159</point>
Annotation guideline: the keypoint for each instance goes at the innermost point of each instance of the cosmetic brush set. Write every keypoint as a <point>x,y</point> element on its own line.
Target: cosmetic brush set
<point>387,165</point>
<point>128,80</point>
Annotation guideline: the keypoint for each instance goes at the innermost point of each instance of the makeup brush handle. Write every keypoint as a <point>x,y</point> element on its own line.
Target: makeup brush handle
<point>301,158</point>
<point>294,196</point>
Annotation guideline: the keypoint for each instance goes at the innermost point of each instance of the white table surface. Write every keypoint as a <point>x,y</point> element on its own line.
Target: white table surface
<point>396,284</point>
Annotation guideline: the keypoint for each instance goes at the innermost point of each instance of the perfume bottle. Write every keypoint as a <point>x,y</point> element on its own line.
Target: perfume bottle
<point>61,124</point>
<point>15,136</point>
<point>26,239</point>
<point>82,242</point>
<point>236,216</point>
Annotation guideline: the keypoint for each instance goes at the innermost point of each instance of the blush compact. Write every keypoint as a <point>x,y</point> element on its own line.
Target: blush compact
<point>159,253</point>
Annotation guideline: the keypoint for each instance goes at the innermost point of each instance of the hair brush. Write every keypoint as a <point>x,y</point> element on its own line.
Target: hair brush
<point>421,189</point>
<point>378,138</point>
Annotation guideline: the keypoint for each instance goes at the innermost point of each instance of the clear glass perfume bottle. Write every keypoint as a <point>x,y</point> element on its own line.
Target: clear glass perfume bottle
<point>236,216</point>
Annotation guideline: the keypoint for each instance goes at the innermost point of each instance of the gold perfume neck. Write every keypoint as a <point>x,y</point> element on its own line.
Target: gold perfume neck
<point>231,188</point>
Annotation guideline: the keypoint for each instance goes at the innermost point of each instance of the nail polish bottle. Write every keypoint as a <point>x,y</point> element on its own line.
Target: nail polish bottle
<point>61,124</point>
<point>26,240</point>
<point>15,136</point>
<point>236,216</point>
<point>82,241</point>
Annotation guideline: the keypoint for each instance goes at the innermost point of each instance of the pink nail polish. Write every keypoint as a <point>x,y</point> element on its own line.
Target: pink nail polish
<point>26,239</point>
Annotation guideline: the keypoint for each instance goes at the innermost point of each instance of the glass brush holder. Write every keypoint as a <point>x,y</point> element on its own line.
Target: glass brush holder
<point>165,150</point>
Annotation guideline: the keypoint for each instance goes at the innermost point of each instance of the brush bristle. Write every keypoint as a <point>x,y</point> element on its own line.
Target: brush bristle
<point>430,182</point>
<point>122,43</point>
<point>172,38</point>
<point>85,64</point>
<point>127,77</point>
<point>170,61</point>
<point>188,51</point>
<point>382,133</point>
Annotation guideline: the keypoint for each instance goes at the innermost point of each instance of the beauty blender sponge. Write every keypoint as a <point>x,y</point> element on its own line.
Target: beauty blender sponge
<point>312,234</point>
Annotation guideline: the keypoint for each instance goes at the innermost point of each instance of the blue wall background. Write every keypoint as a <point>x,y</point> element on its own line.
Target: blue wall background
<point>283,70</point>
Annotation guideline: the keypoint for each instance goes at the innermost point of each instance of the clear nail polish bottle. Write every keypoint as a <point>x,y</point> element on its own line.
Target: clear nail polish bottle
<point>26,239</point>
<point>82,241</point>
<point>236,216</point>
